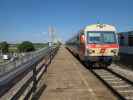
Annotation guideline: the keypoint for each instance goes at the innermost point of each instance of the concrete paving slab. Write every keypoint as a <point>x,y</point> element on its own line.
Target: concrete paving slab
<point>67,79</point>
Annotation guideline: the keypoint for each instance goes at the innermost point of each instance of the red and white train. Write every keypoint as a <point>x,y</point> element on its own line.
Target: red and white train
<point>95,44</point>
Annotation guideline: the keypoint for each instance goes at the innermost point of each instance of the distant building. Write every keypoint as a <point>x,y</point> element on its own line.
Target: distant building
<point>126,38</point>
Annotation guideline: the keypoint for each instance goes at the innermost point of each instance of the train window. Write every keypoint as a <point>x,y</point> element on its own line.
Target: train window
<point>121,40</point>
<point>101,37</point>
<point>130,40</point>
<point>94,37</point>
<point>82,38</point>
<point>78,38</point>
<point>109,38</point>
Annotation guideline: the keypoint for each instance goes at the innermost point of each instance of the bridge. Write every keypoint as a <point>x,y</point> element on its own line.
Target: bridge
<point>55,74</point>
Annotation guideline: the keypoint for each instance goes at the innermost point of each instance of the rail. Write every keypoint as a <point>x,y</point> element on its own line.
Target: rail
<point>21,82</point>
<point>119,85</point>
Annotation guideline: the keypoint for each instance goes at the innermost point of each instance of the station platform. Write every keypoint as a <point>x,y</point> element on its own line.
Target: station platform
<point>67,79</point>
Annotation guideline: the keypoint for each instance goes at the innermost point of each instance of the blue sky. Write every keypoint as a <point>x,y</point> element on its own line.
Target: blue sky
<point>29,19</point>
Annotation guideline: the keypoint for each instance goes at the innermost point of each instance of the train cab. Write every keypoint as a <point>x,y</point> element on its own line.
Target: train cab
<point>97,43</point>
<point>101,43</point>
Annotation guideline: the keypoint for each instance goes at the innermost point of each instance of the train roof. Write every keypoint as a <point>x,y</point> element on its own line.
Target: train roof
<point>128,32</point>
<point>100,27</point>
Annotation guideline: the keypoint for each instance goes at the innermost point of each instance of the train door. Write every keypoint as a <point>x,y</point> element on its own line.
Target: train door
<point>82,46</point>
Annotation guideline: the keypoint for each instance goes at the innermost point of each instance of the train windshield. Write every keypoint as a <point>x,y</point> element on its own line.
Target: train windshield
<point>101,37</point>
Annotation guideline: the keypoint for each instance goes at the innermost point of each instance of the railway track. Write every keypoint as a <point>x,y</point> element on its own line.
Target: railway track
<point>119,85</point>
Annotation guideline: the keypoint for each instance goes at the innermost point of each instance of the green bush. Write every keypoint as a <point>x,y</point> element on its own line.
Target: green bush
<point>26,46</point>
<point>4,47</point>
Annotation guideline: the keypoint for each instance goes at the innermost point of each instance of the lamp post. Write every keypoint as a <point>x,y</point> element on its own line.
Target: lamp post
<point>50,31</point>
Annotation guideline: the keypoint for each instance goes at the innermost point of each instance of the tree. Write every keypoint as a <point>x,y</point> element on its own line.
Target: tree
<point>26,46</point>
<point>4,46</point>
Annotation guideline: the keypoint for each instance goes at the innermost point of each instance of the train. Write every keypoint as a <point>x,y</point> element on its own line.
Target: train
<point>126,42</point>
<point>96,45</point>
<point>126,47</point>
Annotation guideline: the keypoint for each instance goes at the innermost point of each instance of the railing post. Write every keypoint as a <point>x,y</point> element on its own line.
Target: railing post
<point>34,78</point>
<point>50,56</point>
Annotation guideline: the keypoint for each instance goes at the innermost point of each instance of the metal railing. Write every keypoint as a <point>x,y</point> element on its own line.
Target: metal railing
<point>18,61</point>
<point>21,81</point>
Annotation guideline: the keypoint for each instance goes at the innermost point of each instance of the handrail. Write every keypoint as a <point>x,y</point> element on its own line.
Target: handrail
<point>9,79</point>
<point>18,61</point>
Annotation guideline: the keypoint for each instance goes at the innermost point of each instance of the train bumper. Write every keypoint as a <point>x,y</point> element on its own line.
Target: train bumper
<point>102,58</point>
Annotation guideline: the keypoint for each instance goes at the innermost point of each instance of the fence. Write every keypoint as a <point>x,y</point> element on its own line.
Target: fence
<point>21,82</point>
<point>19,60</point>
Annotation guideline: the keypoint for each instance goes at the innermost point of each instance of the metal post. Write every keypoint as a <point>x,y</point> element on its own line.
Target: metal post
<point>50,46</point>
<point>34,78</point>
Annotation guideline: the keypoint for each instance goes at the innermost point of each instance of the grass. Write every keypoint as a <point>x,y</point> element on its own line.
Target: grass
<point>40,45</point>
<point>12,49</point>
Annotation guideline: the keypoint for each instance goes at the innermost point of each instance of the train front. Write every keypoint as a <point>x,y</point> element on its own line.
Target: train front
<point>101,43</point>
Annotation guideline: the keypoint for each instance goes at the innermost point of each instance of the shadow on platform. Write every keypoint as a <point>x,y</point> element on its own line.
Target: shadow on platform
<point>39,92</point>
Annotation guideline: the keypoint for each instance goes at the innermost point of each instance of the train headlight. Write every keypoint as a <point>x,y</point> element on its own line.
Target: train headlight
<point>114,51</point>
<point>91,51</point>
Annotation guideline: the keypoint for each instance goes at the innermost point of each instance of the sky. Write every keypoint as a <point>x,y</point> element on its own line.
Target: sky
<point>22,20</point>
